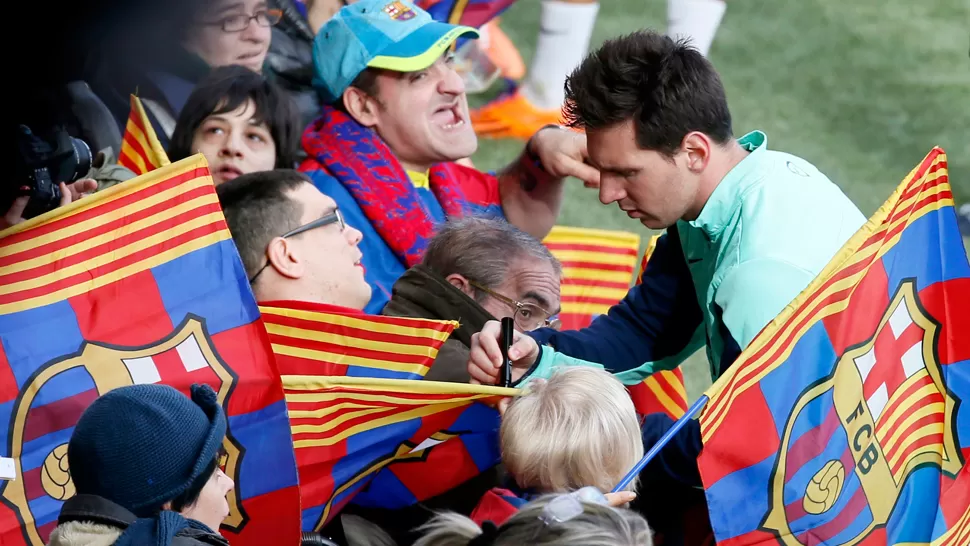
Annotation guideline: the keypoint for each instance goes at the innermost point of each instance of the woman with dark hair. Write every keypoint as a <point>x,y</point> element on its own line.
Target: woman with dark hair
<point>144,461</point>
<point>240,121</point>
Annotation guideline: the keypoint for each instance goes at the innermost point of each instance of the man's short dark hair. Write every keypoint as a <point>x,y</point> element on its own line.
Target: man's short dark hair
<point>257,210</point>
<point>225,89</point>
<point>666,87</point>
<point>482,249</point>
<point>366,81</point>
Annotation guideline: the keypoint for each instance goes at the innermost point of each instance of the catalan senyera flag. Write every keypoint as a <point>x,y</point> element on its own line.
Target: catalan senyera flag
<point>141,152</point>
<point>347,429</point>
<point>598,267</point>
<point>139,283</point>
<point>847,420</point>
<point>664,391</point>
<point>315,339</point>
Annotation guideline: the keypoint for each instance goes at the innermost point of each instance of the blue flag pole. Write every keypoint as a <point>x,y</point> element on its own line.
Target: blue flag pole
<point>637,468</point>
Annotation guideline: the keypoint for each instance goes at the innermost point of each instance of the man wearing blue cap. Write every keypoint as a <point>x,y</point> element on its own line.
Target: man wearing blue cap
<point>384,148</point>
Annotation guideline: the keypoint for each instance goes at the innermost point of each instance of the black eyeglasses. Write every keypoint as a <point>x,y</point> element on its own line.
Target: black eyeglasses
<point>240,22</point>
<point>333,217</point>
<point>527,316</point>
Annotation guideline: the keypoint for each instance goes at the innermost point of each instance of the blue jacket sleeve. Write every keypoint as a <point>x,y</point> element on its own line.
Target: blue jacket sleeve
<point>655,327</point>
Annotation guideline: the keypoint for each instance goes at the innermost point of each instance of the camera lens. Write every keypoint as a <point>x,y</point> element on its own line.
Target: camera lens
<point>82,158</point>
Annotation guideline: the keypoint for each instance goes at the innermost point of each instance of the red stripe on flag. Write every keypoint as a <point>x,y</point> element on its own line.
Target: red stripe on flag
<point>900,398</point>
<point>954,334</point>
<point>824,533</point>
<point>127,220</point>
<point>598,266</point>
<point>666,382</point>
<point>344,350</point>
<point>858,323</point>
<point>129,259</point>
<point>811,444</point>
<point>596,249</point>
<point>99,209</point>
<point>594,284</point>
<point>132,144</point>
<point>262,527</point>
<point>107,312</point>
<point>46,529</point>
<point>112,245</point>
<point>8,383</point>
<point>59,415</point>
<point>33,488</point>
<point>930,439</point>
<point>732,446</point>
<point>247,348</point>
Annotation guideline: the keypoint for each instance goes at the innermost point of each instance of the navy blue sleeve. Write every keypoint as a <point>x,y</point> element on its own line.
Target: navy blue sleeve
<point>656,320</point>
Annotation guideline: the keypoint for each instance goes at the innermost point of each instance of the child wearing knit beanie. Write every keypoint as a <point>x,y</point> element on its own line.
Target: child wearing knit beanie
<point>144,460</point>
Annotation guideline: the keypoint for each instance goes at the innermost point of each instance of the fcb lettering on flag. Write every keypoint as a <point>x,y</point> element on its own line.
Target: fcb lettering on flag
<point>316,339</point>
<point>137,284</point>
<point>140,152</point>
<point>346,429</point>
<point>846,421</point>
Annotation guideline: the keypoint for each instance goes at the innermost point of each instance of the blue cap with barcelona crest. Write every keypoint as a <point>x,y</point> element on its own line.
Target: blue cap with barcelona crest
<point>389,34</point>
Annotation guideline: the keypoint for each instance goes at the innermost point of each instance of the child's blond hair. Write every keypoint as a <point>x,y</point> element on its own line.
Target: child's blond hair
<point>575,429</point>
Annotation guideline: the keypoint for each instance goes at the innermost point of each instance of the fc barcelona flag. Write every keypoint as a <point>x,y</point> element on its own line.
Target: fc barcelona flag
<point>137,284</point>
<point>847,420</point>
<point>346,429</point>
<point>141,152</point>
<point>472,13</point>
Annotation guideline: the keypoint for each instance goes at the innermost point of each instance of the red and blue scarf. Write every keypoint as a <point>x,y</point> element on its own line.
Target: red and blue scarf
<point>357,157</point>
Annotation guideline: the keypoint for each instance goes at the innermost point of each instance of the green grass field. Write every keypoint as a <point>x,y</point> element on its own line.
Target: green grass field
<point>861,89</point>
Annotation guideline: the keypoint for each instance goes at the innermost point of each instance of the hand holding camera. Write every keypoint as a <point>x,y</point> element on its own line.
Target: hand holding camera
<point>69,193</point>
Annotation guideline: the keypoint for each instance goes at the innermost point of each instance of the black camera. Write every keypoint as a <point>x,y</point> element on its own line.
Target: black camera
<point>42,166</point>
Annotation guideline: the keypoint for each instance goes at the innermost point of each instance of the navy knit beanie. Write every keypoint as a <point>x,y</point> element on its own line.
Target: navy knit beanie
<point>143,445</point>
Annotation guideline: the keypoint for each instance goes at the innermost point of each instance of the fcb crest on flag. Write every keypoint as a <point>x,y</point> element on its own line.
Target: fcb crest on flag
<point>846,420</point>
<point>867,401</point>
<point>185,357</point>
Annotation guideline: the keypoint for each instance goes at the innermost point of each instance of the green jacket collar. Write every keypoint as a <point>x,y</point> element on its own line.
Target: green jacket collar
<point>726,198</point>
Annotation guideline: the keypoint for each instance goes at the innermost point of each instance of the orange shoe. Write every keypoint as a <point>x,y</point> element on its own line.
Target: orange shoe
<point>512,116</point>
<point>503,53</point>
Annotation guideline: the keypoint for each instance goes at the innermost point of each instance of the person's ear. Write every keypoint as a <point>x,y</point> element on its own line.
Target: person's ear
<point>698,147</point>
<point>461,283</point>
<point>285,259</point>
<point>361,106</point>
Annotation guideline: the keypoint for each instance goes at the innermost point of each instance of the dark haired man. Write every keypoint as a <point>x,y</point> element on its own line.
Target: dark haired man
<point>748,228</point>
<point>293,240</point>
<point>396,121</point>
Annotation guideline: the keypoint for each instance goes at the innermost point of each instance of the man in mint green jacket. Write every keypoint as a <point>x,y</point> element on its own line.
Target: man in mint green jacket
<point>747,228</point>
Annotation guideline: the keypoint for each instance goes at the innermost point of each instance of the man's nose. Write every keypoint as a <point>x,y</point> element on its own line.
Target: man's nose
<point>610,190</point>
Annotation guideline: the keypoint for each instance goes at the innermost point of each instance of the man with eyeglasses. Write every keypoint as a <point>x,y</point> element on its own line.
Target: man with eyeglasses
<point>293,240</point>
<point>234,32</point>
<point>478,269</point>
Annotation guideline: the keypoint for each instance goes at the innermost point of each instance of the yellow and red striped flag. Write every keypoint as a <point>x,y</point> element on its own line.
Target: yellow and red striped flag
<point>598,266</point>
<point>316,339</point>
<point>663,391</point>
<point>141,152</point>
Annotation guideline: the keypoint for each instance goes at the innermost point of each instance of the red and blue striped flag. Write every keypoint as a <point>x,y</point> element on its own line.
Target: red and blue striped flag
<point>139,284</point>
<point>847,420</point>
